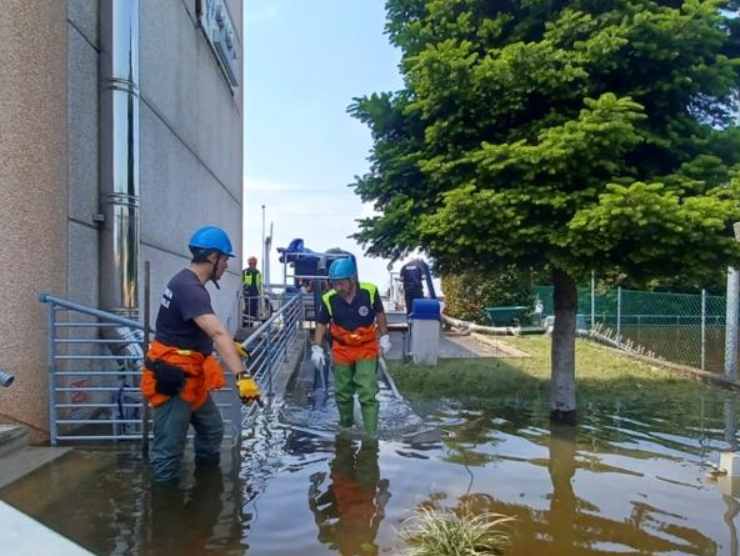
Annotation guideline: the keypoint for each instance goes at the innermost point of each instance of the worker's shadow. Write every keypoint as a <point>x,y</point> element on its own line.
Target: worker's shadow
<point>349,509</point>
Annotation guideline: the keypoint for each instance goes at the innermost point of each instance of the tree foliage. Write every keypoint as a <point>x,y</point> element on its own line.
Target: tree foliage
<point>563,134</point>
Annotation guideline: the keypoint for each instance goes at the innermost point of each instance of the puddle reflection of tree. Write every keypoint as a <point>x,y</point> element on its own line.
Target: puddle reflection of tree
<point>572,525</point>
<point>350,507</point>
<point>606,427</point>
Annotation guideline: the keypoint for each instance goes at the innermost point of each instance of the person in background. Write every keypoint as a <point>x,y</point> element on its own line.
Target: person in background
<point>251,291</point>
<point>413,274</point>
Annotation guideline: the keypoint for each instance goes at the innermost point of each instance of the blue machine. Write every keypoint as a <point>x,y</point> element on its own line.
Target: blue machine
<point>310,271</point>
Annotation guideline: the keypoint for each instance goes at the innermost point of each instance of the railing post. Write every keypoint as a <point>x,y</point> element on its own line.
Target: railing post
<point>147,330</point>
<point>703,328</point>
<point>268,359</point>
<point>619,315</point>
<point>52,380</point>
<point>593,299</point>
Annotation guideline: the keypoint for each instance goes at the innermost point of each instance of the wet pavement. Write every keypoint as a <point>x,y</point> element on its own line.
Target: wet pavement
<point>451,347</point>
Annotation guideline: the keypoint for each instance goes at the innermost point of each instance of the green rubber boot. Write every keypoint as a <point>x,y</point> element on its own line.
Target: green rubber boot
<point>346,414</point>
<point>370,418</point>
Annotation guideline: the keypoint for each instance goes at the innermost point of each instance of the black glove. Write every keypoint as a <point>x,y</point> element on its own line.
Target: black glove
<point>170,379</point>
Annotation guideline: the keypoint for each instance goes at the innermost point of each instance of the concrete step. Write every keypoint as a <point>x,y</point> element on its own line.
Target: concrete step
<point>19,463</point>
<point>17,458</point>
<point>13,438</point>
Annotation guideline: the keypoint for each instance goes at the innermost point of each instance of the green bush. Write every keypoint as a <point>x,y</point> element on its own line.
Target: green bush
<point>468,294</point>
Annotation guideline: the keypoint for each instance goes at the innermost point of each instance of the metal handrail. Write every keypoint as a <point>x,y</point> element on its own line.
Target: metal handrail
<point>110,317</point>
<point>268,343</point>
<point>271,321</point>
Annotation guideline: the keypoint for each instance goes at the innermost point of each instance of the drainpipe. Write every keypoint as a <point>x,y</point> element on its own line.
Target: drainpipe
<point>119,161</point>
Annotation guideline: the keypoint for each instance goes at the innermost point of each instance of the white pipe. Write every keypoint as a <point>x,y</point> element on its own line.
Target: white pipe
<point>499,330</point>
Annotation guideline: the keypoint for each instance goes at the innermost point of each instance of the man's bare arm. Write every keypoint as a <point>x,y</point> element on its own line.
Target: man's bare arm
<point>318,338</point>
<point>382,323</point>
<point>222,341</point>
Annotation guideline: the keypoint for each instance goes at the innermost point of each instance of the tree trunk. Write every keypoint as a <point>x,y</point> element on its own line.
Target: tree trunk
<point>563,350</point>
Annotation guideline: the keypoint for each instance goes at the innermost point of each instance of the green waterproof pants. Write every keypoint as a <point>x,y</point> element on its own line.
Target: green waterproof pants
<point>358,377</point>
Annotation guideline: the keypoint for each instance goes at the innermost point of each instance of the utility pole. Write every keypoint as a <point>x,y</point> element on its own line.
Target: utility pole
<point>731,318</point>
<point>263,241</point>
<point>268,248</point>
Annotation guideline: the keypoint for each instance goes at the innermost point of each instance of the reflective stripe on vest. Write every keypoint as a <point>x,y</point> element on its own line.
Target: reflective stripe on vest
<point>367,286</point>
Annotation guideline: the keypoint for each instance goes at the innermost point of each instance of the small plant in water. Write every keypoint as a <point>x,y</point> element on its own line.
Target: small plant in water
<point>448,533</point>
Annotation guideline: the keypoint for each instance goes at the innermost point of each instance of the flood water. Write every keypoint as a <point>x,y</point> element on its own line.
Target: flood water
<point>629,479</point>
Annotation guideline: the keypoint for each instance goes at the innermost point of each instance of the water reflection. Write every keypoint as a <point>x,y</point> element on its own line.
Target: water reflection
<point>630,478</point>
<point>194,512</point>
<point>349,505</point>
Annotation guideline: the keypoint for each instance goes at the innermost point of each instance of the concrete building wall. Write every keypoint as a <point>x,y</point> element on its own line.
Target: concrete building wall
<point>33,194</point>
<point>83,144</point>
<point>191,144</point>
<point>190,167</point>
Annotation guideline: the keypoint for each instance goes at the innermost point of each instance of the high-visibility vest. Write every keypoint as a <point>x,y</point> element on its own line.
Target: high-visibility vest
<point>252,278</point>
<point>352,345</point>
<point>371,289</point>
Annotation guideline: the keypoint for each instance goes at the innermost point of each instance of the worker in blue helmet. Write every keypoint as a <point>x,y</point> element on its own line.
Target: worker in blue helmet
<point>355,318</point>
<point>180,370</point>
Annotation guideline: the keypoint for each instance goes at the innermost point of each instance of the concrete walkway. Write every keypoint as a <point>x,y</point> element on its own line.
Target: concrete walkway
<point>23,536</point>
<point>461,347</point>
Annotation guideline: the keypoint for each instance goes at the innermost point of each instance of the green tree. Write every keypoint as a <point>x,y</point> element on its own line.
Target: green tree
<point>558,135</point>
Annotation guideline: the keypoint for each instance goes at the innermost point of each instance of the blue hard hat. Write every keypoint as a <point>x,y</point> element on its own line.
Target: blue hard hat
<point>341,269</point>
<point>212,238</point>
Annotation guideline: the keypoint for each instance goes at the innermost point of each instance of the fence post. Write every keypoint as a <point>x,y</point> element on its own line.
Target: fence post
<point>731,319</point>
<point>145,348</point>
<point>619,315</point>
<point>268,360</point>
<point>703,328</point>
<point>52,377</point>
<point>593,299</point>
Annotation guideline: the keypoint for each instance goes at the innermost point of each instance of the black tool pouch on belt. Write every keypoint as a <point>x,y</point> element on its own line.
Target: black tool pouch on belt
<point>170,379</point>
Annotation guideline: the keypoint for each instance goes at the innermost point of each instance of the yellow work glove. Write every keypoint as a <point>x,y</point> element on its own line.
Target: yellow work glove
<point>240,349</point>
<point>248,389</point>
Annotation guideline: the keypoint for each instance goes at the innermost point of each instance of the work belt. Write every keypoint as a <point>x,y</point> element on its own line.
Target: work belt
<point>186,373</point>
<point>350,346</point>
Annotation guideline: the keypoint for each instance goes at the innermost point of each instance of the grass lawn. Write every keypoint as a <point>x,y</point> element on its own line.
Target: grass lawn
<point>601,373</point>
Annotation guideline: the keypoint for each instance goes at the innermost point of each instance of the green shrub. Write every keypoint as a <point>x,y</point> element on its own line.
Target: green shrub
<point>468,294</point>
<point>447,533</point>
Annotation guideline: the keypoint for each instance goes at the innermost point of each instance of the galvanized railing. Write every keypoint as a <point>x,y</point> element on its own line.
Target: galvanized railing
<point>268,346</point>
<point>93,380</point>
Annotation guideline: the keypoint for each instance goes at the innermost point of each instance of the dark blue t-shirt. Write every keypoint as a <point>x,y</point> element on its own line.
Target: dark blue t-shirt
<point>412,275</point>
<point>182,300</point>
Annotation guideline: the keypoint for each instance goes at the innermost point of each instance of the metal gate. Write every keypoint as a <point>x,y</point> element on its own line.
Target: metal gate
<point>93,380</point>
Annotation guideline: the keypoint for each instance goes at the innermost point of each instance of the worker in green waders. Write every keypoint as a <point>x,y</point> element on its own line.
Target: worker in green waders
<point>354,316</point>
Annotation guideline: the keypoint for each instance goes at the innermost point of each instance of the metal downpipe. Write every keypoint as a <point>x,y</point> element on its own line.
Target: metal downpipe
<point>119,164</point>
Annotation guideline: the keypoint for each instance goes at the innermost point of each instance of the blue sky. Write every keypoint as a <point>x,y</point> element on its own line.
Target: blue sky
<point>304,61</point>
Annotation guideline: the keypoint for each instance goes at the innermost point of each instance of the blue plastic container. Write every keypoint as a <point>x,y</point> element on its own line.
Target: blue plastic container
<point>425,309</point>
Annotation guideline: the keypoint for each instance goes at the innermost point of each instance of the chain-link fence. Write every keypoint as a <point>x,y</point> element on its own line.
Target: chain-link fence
<point>682,328</point>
